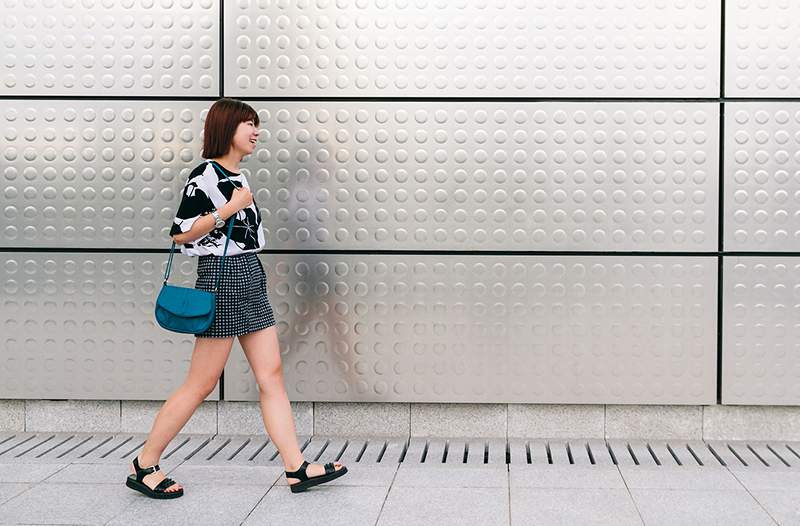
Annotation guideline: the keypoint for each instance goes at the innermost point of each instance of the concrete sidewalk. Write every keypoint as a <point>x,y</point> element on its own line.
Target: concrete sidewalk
<point>63,478</point>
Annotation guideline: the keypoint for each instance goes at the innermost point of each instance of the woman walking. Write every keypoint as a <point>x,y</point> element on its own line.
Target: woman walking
<point>214,192</point>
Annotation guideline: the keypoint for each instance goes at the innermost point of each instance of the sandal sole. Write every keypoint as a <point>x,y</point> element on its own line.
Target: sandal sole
<point>145,489</point>
<point>319,479</point>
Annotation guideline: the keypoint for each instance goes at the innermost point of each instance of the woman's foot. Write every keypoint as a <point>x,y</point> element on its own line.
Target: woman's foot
<point>153,479</point>
<point>313,474</point>
<point>312,470</point>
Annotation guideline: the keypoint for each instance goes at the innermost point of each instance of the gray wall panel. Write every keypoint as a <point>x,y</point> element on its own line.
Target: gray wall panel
<point>761,331</point>
<point>110,48</point>
<point>472,48</point>
<point>349,175</point>
<point>761,48</point>
<point>484,176</point>
<point>96,173</point>
<point>762,180</point>
<point>570,329</point>
<point>82,326</point>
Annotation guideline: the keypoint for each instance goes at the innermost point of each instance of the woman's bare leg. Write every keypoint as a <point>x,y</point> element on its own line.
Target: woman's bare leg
<point>262,350</point>
<point>208,360</point>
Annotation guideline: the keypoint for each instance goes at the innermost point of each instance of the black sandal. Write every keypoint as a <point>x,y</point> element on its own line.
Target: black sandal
<point>306,482</point>
<point>160,491</point>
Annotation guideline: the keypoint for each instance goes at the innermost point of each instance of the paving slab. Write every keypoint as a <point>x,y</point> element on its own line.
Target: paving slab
<point>572,506</point>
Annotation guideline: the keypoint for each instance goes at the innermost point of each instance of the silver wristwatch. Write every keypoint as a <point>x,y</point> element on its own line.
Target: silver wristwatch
<point>219,222</point>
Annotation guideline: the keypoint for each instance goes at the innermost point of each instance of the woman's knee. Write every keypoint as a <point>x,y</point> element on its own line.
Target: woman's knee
<point>270,381</point>
<point>201,387</point>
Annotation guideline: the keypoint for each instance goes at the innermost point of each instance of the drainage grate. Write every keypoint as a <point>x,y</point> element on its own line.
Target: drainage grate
<point>259,450</point>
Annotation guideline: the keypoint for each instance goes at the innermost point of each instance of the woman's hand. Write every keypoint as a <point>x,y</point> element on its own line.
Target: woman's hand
<point>241,198</point>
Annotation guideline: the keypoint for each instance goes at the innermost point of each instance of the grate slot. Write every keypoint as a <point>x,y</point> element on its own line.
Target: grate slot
<point>116,447</point>
<point>125,455</point>
<point>363,450</point>
<point>393,446</point>
<point>538,452</point>
<point>186,441</point>
<point>239,449</point>
<point>335,448</point>
<point>577,453</point>
<point>195,451</point>
<point>664,454</point>
<point>214,452</point>
<point>17,445</point>
<point>90,450</point>
<point>403,454</point>
<point>257,451</point>
<point>641,453</point>
<point>737,455</point>
<point>785,462</point>
<point>382,452</point>
<point>416,451</point>
<point>790,448</point>
<point>496,451</point>
<point>321,451</point>
<point>759,457</point>
<point>48,439</point>
<point>611,452</point>
<point>702,454</point>
<point>43,453</point>
<point>589,453</point>
<point>674,455</point>
<point>600,453</point>
<point>717,455</point>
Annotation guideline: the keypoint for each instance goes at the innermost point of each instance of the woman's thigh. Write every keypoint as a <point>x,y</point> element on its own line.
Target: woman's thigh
<point>208,359</point>
<point>262,350</point>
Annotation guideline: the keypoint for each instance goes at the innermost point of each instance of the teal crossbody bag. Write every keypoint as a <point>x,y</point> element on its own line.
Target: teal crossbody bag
<point>184,309</point>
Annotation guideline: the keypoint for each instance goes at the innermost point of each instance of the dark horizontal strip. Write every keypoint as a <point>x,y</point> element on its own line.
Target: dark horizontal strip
<point>368,252</point>
<point>212,98</point>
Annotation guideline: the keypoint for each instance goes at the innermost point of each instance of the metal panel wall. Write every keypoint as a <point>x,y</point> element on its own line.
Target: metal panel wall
<point>489,175</point>
<point>423,175</point>
<point>378,184</point>
<point>110,47</point>
<point>761,49</point>
<point>568,329</point>
<point>762,176</point>
<point>80,325</point>
<point>472,48</point>
<point>761,335</point>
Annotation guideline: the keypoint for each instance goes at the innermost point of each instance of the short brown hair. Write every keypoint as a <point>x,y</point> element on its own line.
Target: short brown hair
<point>221,122</point>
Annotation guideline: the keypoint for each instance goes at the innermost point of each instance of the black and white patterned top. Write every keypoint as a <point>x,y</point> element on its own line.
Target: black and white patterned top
<point>205,190</point>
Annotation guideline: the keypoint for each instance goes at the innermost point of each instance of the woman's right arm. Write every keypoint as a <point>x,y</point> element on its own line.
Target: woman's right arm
<point>205,224</point>
<point>193,219</point>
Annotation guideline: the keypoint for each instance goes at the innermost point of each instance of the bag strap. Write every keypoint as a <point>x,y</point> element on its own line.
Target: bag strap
<point>227,239</point>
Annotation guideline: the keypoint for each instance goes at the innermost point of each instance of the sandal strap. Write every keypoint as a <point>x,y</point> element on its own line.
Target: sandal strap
<point>141,472</point>
<point>300,473</point>
<point>164,484</point>
<point>329,468</point>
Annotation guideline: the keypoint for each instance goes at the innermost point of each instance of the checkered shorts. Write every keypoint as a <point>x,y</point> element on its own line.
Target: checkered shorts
<point>242,304</point>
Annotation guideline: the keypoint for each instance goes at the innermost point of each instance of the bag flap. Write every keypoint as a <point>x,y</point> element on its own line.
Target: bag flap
<point>185,301</point>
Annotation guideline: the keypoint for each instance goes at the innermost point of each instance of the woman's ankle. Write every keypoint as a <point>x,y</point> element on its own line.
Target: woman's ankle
<point>290,466</point>
<point>146,461</point>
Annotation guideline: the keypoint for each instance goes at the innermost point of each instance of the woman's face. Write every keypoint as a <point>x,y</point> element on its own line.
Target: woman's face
<point>244,140</point>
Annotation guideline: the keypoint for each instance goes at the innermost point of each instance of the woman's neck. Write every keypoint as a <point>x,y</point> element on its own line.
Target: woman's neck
<point>230,161</point>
